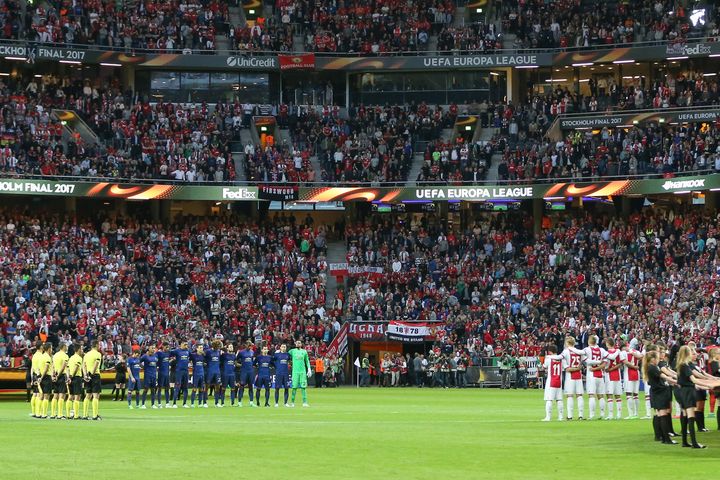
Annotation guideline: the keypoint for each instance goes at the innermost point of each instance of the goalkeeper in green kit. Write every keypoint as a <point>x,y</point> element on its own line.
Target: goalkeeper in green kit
<point>300,372</point>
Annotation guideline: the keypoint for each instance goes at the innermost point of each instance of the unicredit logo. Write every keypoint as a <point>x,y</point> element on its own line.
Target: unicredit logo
<point>251,62</point>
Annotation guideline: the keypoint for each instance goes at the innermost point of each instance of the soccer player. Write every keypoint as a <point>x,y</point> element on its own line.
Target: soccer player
<point>198,377</point>
<point>91,363</point>
<point>133,366</point>
<point>35,399</point>
<point>553,367</point>
<point>45,378</point>
<point>595,363</point>
<point>574,389</point>
<point>75,369</point>
<point>163,358</point>
<point>149,362</point>
<point>614,387</point>
<point>263,362</point>
<point>300,372</point>
<point>181,357</point>
<point>246,357</point>
<point>688,379</point>
<point>60,380</point>
<point>631,360</point>
<point>228,360</point>
<point>214,380</point>
<point>281,360</point>
<point>120,378</point>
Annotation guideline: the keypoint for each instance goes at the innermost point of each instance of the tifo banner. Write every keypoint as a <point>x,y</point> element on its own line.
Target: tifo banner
<point>338,269</point>
<point>338,346</point>
<point>696,115</point>
<point>372,272</point>
<point>366,332</point>
<point>297,62</point>
<point>412,332</point>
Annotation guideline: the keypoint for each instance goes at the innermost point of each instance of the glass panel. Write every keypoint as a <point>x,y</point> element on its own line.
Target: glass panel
<point>425,81</point>
<point>223,80</point>
<point>164,81</point>
<point>192,80</point>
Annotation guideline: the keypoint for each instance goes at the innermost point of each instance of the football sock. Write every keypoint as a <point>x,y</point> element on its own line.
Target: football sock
<point>610,402</point>
<point>45,403</point>
<point>61,407</point>
<point>277,395</point>
<point>618,407</point>
<point>76,408</point>
<point>561,410</point>
<point>700,419</point>
<point>656,428</point>
<point>304,395</point>
<point>602,407</point>
<point>570,407</point>
<point>32,405</point>
<point>192,398</point>
<point>294,391</point>
<point>581,407</point>
<point>593,402</point>
<point>144,396</point>
<point>287,392</point>
<point>684,428</point>
<point>95,406</point>
<point>53,407</point>
<point>691,427</point>
<point>548,408</point>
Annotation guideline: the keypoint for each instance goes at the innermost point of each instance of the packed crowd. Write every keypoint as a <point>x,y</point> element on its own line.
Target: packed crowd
<point>582,23</point>
<point>269,34</point>
<point>456,162</point>
<point>129,283</point>
<point>368,28</point>
<point>497,289</point>
<point>182,142</point>
<point>169,26</point>
<point>472,38</point>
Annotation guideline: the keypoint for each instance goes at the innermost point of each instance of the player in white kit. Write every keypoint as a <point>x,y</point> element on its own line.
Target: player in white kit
<point>553,367</point>
<point>574,388</point>
<point>613,380</point>
<point>594,375</point>
<point>631,359</point>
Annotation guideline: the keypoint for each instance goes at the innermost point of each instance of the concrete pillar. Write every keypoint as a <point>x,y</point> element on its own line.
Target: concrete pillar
<point>538,212</point>
<point>155,210</point>
<point>71,205</point>
<point>625,207</point>
<point>165,211</point>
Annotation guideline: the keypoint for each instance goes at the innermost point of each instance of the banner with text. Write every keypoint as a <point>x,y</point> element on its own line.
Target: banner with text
<point>621,120</point>
<point>338,346</point>
<point>412,332</point>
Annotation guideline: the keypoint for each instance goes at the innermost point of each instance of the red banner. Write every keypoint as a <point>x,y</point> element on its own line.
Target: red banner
<point>367,331</point>
<point>297,62</point>
<point>338,346</point>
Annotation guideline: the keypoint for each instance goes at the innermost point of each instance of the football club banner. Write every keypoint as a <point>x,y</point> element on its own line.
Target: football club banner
<point>338,269</point>
<point>297,62</point>
<point>338,346</point>
<point>366,331</point>
<point>412,332</point>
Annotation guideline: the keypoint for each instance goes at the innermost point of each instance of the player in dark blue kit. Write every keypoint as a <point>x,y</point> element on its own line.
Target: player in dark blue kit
<point>149,361</point>
<point>181,357</point>
<point>281,361</point>
<point>212,359</point>
<point>198,377</point>
<point>263,363</point>
<point>163,359</point>
<point>133,366</point>
<point>228,360</point>
<point>247,373</point>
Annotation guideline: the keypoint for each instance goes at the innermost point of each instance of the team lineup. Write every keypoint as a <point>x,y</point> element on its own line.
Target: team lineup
<point>61,381</point>
<point>612,372</point>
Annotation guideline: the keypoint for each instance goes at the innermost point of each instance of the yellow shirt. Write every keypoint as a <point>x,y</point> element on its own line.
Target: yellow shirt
<point>74,368</point>
<point>60,359</point>
<point>90,360</point>
<point>35,363</point>
<point>45,364</point>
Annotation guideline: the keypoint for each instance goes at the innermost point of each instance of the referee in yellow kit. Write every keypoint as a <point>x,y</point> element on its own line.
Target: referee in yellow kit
<point>91,365</point>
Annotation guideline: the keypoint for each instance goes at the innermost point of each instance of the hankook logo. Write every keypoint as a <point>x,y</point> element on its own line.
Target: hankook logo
<point>671,185</point>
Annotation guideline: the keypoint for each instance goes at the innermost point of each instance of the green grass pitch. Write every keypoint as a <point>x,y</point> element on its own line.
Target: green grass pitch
<point>346,434</point>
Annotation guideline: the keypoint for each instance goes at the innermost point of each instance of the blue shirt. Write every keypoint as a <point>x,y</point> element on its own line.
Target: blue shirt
<point>150,364</point>
<point>133,365</point>
<point>228,363</point>
<point>263,363</point>
<point>198,363</point>
<point>246,359</point>
<point>163,359</point>
<point>182,359</point>
<point>212,358</point>
<point>281,361</point>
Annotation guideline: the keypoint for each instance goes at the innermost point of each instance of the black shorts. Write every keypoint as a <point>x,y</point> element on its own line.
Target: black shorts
<point>685,396</point>
<point>700,395</point>
<point>95,384</point>
<point>34,386</point>
<point>46,385</point>
<point>61,385</point>
<point>76,386</point>
<point>661,398</point>
<point>120,378</point>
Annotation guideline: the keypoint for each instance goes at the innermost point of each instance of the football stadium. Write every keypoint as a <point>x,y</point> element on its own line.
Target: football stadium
<point>366,240</point>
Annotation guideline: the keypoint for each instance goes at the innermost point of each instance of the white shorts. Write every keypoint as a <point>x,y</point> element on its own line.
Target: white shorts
<point>614,387</point>
<point>552,394</point>
<point>574,387</point>
<point>595,386</point>
<point>632,387</point>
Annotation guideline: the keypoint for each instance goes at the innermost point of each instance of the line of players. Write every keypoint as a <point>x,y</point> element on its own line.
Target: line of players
<point>214,370</point>
<point>64,377</point>
<point>608,374</point>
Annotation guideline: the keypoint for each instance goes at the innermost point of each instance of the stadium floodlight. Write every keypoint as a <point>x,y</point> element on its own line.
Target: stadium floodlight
<point>697,17</point>
<point>620,62</point>
<point>586,64</point>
